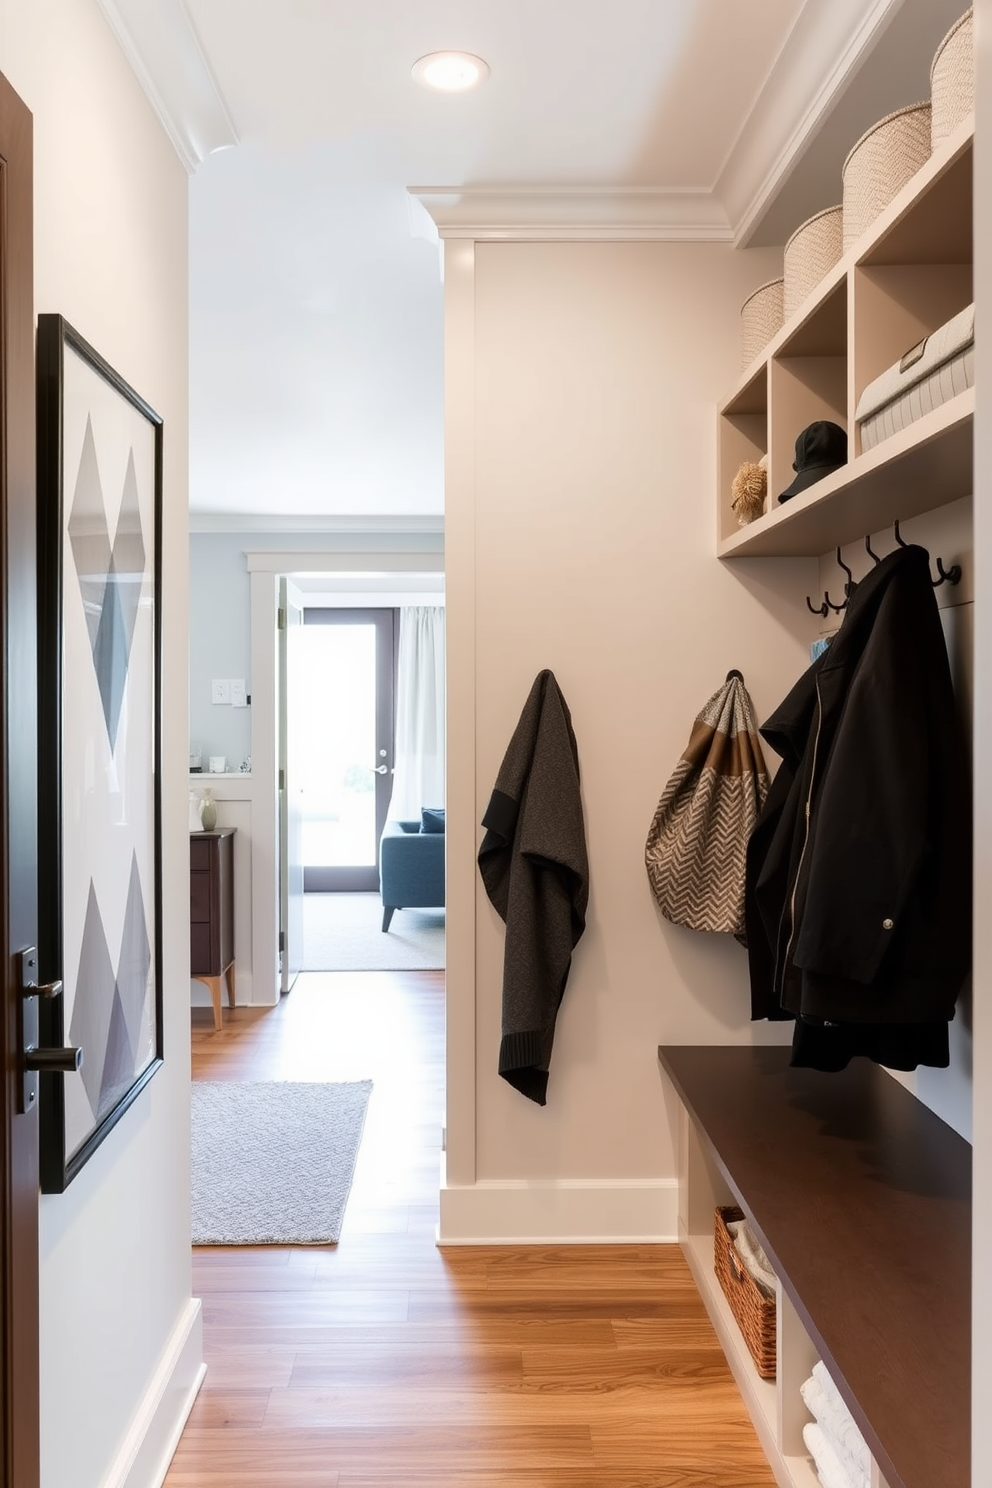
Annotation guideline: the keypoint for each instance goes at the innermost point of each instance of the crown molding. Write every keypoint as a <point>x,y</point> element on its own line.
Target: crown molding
<point>159,40</point>
<point>325,525</point>
<point>825,48</point>
<point>575,213</point>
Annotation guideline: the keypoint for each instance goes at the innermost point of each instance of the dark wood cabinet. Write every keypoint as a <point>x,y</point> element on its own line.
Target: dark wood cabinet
<point>211,912</point>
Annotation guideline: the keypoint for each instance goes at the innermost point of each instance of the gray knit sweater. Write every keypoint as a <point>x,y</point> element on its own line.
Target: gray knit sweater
<point>535,870</point>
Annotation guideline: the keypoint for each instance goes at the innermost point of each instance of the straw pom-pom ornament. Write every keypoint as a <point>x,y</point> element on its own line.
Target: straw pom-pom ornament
<point>748,490</point>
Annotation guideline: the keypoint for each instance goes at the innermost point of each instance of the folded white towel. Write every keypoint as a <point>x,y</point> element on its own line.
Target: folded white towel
<point>829,1468</point>
<point>841,1423</point>
<point>838,1426</point>
<point>751,1253</point>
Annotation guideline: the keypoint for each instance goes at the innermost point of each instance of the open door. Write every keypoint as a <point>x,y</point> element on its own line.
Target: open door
<point>19,1382</point>
<point>290,790</point>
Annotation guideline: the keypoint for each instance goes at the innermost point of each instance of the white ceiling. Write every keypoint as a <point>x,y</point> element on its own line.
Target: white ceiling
<point>315,272</point>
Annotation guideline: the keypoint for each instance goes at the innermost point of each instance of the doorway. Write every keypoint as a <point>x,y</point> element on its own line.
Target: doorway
<point>342,715</point>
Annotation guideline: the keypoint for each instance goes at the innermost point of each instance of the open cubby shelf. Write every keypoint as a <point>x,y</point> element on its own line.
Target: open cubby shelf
<point>861,1197</point>
<point>901,281</point>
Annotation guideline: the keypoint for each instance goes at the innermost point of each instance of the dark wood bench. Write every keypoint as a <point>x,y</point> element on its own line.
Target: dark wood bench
<point>861,1197</point>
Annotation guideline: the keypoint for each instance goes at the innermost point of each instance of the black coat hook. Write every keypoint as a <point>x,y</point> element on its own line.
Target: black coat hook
<point>820,609</point>
<point>849,587</point>
<point>870,550</point>
<point>950,575</point>
<point>735,673</point>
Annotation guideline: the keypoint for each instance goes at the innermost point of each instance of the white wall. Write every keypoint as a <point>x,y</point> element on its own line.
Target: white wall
<point>110,255</point>
<point>219,620</point>
<point>580,525</point>
<point>218,644</point>
<point>981,1467</point>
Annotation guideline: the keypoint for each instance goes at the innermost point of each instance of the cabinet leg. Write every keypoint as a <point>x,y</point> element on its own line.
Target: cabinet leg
<point>212,983</point>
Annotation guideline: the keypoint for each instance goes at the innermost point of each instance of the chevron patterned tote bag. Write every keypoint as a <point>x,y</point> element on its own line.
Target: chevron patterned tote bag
<point>696,846</point>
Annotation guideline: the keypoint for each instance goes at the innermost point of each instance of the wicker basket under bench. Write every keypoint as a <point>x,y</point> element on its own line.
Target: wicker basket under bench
<point>753,1310</point>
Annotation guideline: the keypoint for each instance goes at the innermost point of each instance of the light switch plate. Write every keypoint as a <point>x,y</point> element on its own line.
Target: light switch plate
<point>239,693</point>
<point>220,690</point>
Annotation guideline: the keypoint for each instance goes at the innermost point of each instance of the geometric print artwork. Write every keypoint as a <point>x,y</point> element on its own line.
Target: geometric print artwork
<point>110,576</point>
<point>108,1009</point>
<point>100,715</point>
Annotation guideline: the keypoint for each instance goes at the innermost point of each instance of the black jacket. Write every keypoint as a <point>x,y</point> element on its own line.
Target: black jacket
<point>859,916</point>
<point>535,869</point>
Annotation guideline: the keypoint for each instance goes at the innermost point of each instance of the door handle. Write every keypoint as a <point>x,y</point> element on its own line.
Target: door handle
<point>381,769</point>
<point>65,1059</point>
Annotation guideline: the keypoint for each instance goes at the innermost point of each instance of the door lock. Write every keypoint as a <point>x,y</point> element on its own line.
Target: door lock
<point>64,1059</point>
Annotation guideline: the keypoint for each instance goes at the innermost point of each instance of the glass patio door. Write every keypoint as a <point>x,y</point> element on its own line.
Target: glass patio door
<point>343,725</point>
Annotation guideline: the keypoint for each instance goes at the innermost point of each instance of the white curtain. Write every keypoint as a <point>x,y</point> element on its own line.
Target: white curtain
<point>418,777</point>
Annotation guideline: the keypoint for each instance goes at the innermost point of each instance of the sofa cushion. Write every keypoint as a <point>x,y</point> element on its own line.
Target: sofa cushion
<point>432,819</point>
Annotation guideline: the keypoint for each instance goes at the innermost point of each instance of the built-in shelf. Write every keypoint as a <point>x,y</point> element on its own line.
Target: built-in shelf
<point>928,465</point>
<point>861,1198</point>
<point>900,282</point>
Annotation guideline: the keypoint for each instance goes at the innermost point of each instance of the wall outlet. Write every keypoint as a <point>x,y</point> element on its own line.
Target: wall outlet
<point>220,690</point>
<point>239,693</point>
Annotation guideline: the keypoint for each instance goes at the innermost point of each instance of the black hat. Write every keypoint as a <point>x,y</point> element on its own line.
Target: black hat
<point>820,450</point>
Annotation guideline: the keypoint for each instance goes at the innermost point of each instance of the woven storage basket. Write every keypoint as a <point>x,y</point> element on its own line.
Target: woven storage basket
<point>754,1312</point>
<point>952,79</point>
<point>886,156</point>
<point>762,315</point>
<point>810,254</point>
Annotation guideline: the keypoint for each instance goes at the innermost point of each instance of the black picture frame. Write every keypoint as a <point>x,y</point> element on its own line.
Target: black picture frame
<point>100,751</point>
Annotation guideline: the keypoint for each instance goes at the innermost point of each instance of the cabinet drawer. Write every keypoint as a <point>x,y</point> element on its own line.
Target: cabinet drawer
<point>199,898</point>
<point>201,961</point>
<point>199,852</point>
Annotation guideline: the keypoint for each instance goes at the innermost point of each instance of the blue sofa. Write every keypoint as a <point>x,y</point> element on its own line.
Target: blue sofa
<point>411,865</point>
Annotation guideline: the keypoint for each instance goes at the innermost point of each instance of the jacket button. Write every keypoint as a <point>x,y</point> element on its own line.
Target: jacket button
<point>887,924</point>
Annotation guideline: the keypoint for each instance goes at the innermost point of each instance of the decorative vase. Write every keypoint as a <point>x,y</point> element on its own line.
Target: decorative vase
<point>195,824</point>
<point>208,811</point>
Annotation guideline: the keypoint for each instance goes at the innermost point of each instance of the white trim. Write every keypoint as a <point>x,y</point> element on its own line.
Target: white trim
<point>625,1211</point>
<point>206,521</point>
<point>150,1444</point>
<point>575,213</point>
<point>461,841</point>
<point>821,55</point>
<point>264,589</point>
<point>385,561</point>
<point>177,81</point>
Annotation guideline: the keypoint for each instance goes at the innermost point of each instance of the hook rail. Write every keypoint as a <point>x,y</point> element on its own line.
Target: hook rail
<point>950,575</point>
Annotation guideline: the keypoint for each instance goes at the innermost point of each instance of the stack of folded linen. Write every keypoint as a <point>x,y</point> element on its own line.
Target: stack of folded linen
<point>749,1249</point>
<point>839,1451</point>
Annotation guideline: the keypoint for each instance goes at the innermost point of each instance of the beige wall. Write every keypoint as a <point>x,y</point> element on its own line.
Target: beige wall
<point>580,518</point>
<point>119,1335</point>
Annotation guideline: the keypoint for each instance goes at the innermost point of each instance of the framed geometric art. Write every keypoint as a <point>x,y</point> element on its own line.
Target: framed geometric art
<point>100,699</point>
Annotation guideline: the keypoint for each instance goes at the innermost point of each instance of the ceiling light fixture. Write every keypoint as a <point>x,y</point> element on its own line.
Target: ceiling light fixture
<point>450,72</point>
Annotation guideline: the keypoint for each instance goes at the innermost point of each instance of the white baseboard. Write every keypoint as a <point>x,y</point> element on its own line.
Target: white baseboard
<point>567,1212</point>
<point>149,1446</point>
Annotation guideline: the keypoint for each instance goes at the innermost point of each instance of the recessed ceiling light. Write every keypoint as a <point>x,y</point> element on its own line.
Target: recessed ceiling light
<point>450,72</point>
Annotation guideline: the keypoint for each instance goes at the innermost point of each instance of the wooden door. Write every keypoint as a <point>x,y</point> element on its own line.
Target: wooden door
<point>19,1383</point>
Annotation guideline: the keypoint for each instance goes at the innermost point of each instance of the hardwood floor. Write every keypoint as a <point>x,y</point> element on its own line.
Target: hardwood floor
<point>385,1361</point>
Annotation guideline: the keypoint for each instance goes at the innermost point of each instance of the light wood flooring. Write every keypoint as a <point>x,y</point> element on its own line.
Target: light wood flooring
<point>384,1361</point>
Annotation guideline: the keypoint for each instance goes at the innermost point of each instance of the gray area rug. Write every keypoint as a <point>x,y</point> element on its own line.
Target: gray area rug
<point>343,932</point>
<point>273,1161</point>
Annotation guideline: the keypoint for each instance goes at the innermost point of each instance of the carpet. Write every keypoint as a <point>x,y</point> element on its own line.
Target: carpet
<point>343,932</point>
<point>273,1161</point>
